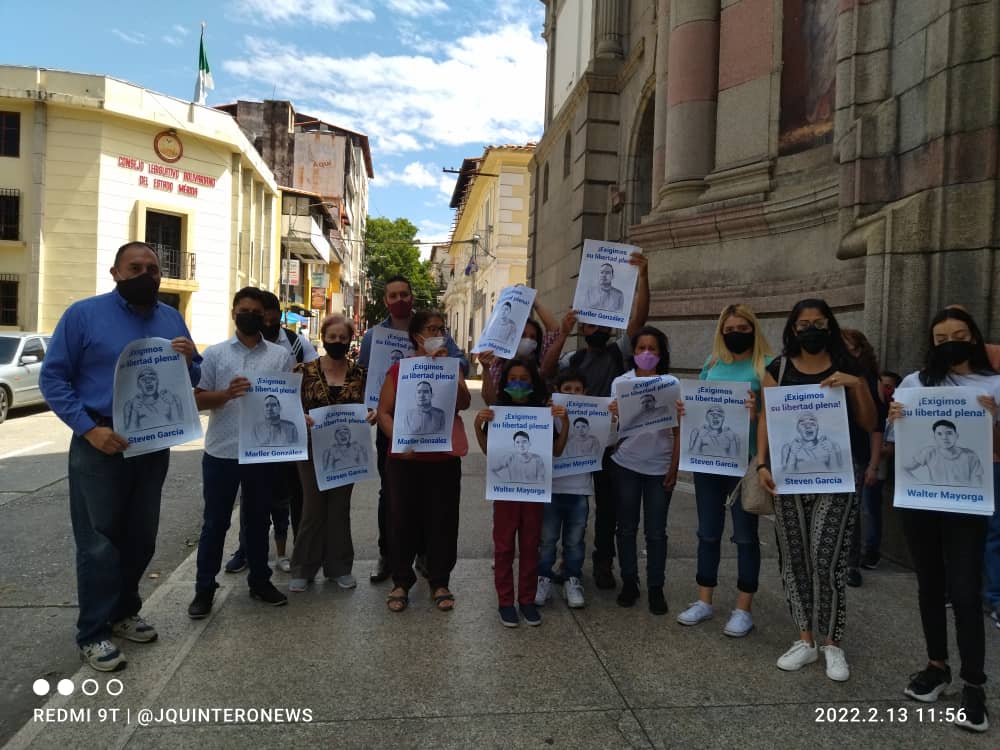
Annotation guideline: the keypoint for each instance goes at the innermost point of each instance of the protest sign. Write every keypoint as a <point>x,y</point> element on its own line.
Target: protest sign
<point>606,284</point>
<point>503,330</point>
<point>715,434</point>
<point>388,347</point>
<point>646,404</point>
<point>590,426</point>
<point>519,454</point>
<point>153,403</point>
<point>425,404</point>
<point>944,451</point>
<point>810,442</point>
<point>272,424</point>
<point>341,445</point>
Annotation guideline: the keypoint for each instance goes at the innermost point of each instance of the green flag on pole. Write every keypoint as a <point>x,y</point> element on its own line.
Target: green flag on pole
<point>204,81</point>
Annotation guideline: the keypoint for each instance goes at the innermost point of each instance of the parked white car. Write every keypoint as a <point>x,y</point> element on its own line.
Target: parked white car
<point>21,356</point>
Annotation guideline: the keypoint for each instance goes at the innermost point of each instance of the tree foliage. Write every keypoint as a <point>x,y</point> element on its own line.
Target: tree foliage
<point>390,250</point>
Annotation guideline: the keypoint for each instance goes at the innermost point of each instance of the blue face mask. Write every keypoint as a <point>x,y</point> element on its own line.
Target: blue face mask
<point>519,390</point>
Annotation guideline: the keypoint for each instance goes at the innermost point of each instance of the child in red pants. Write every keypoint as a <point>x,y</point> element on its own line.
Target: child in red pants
<point>519,523</point>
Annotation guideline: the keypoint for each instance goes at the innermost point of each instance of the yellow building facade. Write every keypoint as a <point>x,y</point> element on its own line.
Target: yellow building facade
<point>489,243</point>
<point>89,163</point>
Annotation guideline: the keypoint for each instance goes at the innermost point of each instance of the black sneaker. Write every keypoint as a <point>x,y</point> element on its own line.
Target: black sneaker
<point>870,560</point>
<point>853,577</point>
<point>201,606</point>
<point>530,614</point>
<point>973,714</point>
<point>381,571</point>
<point>603,577</point>
<point>629,594</point>
<point>237,563</point>
<point>508,616</point>
<point>657,604</point>
<point>268,594</point>
<point>925,686</point>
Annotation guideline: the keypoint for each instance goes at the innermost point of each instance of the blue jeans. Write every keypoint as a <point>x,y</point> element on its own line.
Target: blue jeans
<point>711,492</point>
<point>992,558</point>
<point>566,514</point>
<point>871,514</point>
<point>643,491</point>
<point>114,504</point>
<point>221,478</point>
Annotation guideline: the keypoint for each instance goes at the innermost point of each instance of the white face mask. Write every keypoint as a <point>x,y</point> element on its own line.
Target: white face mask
<point>433,343</point>
<point>526,347</point>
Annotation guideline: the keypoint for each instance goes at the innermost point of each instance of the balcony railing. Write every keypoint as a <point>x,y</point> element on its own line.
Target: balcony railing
<point>176,264</point>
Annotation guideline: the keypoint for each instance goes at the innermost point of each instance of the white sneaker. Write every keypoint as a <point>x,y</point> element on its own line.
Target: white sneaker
<point>543,593</point>
<point>695,613</point>
<point>284,565</point>
<point>346,582</point>
<point>573,593</point>
<point>836,663</point>
<point>800,654</point>
<point>135,629</point>
<point>740,624</point>
<point>104,656</point>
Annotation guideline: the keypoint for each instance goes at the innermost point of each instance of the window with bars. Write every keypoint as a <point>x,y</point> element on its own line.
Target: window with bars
<point>10,134</point>
<point>10,214</point>
<point>8,300</point>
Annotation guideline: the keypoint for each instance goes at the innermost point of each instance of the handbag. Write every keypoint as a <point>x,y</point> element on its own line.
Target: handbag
<point>754,498</point>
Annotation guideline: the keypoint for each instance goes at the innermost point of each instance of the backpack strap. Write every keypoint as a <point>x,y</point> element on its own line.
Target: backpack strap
<point>296,343</point>
<point>781,369</point>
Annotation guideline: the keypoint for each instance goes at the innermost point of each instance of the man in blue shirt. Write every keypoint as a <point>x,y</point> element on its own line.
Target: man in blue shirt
<point>398,296</point>
<point>114,501</point>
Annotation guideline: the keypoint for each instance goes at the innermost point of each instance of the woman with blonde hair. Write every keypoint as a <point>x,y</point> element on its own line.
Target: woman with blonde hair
<point>740,353</point>
<point>324,538</point>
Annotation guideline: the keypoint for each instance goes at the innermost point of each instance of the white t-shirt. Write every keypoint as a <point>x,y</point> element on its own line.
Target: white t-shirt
<point>648,453</point>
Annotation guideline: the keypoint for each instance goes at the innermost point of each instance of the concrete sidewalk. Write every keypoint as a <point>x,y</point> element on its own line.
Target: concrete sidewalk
<point>602,677</point>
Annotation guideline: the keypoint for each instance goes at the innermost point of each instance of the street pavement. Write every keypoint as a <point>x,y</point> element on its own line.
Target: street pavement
<point>336,669</point>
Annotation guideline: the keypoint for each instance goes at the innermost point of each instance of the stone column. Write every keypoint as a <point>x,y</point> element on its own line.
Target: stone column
<point>609,31</point>
<point>692,95</point>
<point>660,96</point>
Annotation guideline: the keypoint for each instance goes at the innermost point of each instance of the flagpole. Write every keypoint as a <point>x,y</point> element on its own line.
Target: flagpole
<point>204,80</point>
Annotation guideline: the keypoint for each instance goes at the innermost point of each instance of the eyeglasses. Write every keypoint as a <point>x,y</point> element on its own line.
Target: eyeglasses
<point>805,325</point>
<point>436,330</point>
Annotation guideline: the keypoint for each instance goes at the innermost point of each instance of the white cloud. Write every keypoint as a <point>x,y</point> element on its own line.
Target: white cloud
<point>416,8</point>
<point>429,230</point>
<point>180,30</point>
<point>414,174</point>
<point>486,87</point>
<point>173,41</point>
<point>132,37</point>
<point>321,12</point>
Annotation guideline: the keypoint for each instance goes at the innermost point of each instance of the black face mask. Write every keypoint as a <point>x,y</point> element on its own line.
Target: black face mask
<point>336,349</point>
<point>813,340</point>
<point>271,332</point>
<point>738,341</point>
<point>954,352</point>
<point>598,339</point>
<point>249,323</point>
<point>139,290</point>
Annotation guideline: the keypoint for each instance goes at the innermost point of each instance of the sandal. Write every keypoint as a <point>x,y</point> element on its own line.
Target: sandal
<point>397,602</point>
<point>446,598</point>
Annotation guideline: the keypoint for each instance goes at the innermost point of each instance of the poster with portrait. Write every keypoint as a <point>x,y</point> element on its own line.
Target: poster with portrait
<point>272,423</point>
<point>519,454</point>
<point>503,330</point>
<point>153,402</point>
<point>589,428</point>
<point>944,451</point>
<point>389,346</point>
<point>809,439</point>
<point>646,404</point>
<point>342,445</point>
<point>426,396</point>
<point>606,284</point>
<point>715,430</point>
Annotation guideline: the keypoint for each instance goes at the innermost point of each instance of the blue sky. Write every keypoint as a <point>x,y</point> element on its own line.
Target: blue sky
<point>430,81</point>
